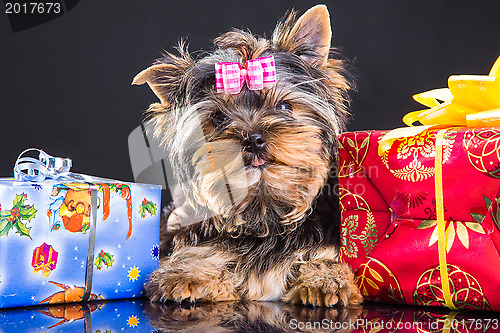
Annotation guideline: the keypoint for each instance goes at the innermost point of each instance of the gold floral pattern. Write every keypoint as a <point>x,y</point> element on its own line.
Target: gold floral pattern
<point>466,293</point>
<point>454,229</point>
<point>349,200</point>
<point>367,236</point>
<point>419,150</point>
<point>422,145</point>
<point>377,282</point>
<point>414,172</point>
<point>352,152</point>
<point>482,146</point>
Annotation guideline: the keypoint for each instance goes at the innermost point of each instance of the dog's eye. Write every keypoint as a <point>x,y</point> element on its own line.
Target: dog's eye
<point>218,118</point>
<point>283,106</point>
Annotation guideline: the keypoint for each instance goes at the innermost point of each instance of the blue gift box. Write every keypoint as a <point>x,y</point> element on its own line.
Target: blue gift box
<point>76,238</point>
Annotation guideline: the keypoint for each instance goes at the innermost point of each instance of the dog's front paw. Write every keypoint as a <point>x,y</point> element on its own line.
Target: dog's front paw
<point>323,283</point>
<point>187,277</point>
<point>165,284</point>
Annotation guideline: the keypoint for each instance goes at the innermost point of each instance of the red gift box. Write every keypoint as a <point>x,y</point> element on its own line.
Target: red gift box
<point>391,201</point>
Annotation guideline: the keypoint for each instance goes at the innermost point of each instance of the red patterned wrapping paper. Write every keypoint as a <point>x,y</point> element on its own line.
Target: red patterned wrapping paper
<point>389,228</point>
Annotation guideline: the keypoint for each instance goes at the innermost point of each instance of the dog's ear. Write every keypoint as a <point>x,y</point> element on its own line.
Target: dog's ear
<point>309,36</point>
<point>166,75</point>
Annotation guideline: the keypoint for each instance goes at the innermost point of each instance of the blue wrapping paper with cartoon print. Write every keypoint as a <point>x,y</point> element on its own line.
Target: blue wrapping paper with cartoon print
<point>76,238</point>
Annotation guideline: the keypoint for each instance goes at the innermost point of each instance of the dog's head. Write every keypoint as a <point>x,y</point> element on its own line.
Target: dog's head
<point>255,159</point>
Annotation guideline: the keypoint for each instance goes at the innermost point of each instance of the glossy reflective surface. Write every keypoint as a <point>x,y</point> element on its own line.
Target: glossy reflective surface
<point>139,315</point>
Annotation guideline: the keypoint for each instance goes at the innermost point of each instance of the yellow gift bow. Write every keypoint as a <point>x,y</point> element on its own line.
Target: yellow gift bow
<point>471,101</point>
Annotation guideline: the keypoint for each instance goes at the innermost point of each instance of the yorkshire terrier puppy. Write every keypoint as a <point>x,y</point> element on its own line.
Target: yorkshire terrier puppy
<point>252,132</point>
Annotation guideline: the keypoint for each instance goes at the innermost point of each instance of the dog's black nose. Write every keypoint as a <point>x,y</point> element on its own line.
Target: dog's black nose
<point>255,143</point>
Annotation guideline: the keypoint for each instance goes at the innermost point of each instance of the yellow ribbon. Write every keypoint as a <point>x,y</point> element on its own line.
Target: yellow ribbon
<point>449,322</point>
<point>469,100</point>
<point>441,223</point>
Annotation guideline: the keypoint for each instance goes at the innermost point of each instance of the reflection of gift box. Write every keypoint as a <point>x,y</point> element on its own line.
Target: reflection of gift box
<point>389,225</point>
<point>116,316</point>
<point>76,238</point>
<point>388,318</point>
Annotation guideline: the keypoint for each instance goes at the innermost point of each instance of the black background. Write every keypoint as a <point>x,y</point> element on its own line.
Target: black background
<point>65,84</point>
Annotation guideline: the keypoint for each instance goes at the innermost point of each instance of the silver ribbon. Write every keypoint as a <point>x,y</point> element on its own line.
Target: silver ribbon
<point>47,167</point>
<point>90,254</point>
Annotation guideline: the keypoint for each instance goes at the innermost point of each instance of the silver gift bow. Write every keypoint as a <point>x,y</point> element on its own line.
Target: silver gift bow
<point>45,167</point>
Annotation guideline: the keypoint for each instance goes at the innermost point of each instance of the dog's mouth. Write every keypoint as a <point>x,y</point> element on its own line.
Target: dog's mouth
<point>258,162</point>
<point>255,161</point>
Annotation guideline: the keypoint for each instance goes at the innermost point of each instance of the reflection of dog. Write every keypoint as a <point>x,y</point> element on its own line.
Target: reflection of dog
<point>255,161</point>
<point>274,317</point>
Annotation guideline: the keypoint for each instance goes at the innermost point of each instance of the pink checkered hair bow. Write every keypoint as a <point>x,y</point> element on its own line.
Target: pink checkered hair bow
<point>258,73</point>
